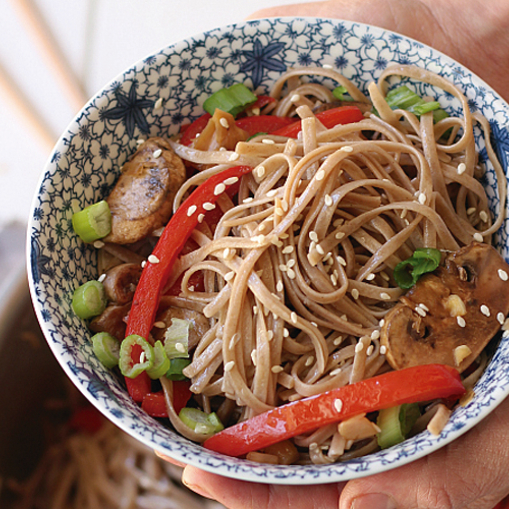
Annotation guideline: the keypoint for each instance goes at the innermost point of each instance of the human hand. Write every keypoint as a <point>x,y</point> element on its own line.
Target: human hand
<point>469,473</point>
<point>473,32</point>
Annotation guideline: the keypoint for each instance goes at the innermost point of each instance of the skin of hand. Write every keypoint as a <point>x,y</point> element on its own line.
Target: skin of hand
<point>471,472</point>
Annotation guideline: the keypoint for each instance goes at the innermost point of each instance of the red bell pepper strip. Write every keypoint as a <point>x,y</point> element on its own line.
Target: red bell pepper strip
<point>194,128</point>
<point>411,385</point>
<point>155,275</point>
<point>329,118</point>
<point>263,123</point>
<point>260,102</point>
<point>155,404</point>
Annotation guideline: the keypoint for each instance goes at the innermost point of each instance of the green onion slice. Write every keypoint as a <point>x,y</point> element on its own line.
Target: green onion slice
<point>395,423</point>
<point>175,372</point>
<point>161,362</point>
<point>106,348</point>
<point>231,100</point>
<point>408,272</point>
<point>176,339</point>
<point>89,299</point>
<point>128,367</point>
<point>200,422</point>
<point>93,222</point>
<point>339,94</point>
<point>405,99</point>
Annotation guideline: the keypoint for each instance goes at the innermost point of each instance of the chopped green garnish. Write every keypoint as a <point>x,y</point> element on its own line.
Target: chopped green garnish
<point>339,94</point>
<point>161,362</point>
<point>93,222</point>
<point>176,368</point>
<point>200,422</point>
<point>255,135</point>
<point>396,423</point>
<point>176,339</point>
<point>106,348</point>
<point>89,299</point>
<point>407,272</point>
<point>128,367</point>
<point>405,99</point>
<point>231,100</point>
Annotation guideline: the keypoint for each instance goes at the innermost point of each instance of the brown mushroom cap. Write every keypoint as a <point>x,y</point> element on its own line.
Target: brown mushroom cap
<point>449,316</point>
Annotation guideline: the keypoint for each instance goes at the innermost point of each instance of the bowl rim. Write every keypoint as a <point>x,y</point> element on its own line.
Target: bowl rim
<point>317,474</point>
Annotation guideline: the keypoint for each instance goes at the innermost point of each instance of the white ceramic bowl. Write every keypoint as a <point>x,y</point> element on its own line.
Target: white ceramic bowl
<point>87,159</point>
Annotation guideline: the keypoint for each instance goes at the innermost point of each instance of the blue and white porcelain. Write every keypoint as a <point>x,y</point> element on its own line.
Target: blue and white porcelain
<point>154,98</point>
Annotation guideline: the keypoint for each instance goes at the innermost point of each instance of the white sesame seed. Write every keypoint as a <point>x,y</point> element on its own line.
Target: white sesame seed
<point>327,66</point>
<point>313,236</point>
<point>478,237</point>
<point>293,317</point>
<point>338,405</point>
<point>288,250</point>
<point>334,279</point>
<point>484,216</point>
<point>338,341</point>
<point>370,277</point>
<point>370,349</point>
<point>461,168</point>
<point>385,296</point>
<point>341,261</point>
<point>383,350</point>
<point>320,175</point>
<point>422,198</point>
<point>320,249</point>
<point>229,365</point>
<point>101,278</point>
<point>284,205</point>
<point>381,322</point>
<point>191,210</point>
<point>160,325</point>
<point>255,310</point>
<point>248,199</point>
<point>268,141</point>
<point>346,148</point>
<point>220,188</point>
<point>461,321</point>
<point>291,274</point>
<point>335,372</point>
<point>375,334</point>
<point>153,259</point>
<point>224,122</point>
<point>502,274</point>
<point>180,347</point>
<point>359,347</point>
<point>279,286</point>
<point>501,318</point>
<point>234,156</point>
<point>309,360</point>
<point>201,217</point>
<point>423,306</point>
<point>229,276</point>
<point>142,357</point>
<point>471,210</point>
<point>230,181</point>
<point>403,213</point>
<point>355,293</point>
<point>98,244</point>
<point>328,200</point>
<point>339,235</point>
<point>143,264</point>
<point>291,262</point>
<point>158,104</point>
<point>157,153</point>
<point>286,332</point>
<point>272,193</point>
<point>270,335</point>
<point>283,268</point>
<point>420,311</point>
<point>485,310</point>
<point>209,206</point>
<point>295,98</point>
<point>277,369</point>
<point>140,141</point>
<point>260,171</point>
<point>279,211</point>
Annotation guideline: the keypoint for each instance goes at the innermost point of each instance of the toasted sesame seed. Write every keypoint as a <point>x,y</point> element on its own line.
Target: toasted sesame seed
<point>385,296</point>
<point>220,188</point>
<point>283,268</point>
<point>355,293</point>
<point>101,278</point>
<point>234,156</point>
<point>320,249</point>
<point>286,332</point>
<point>335,372</point>
<point>338,405</point>
<point>224,122</point>
<point>502,274</point>
<point>157,153</point>
<point>229,365</point>
<point>309,360</point>
<point>98,244</point>
<point>279,286</point>
<point>153,259</point>
<point>260,171</point>
<point>229,276</point>
<point>295,98</point>
<point>268,141</point>
<point>478,237</point>
<point>201,217</point>
<point>291,274</point>
<point>422,198</point>
<point>320,175</point>
<point>180,347</point>
<point>143,264</point>
<point>461,321</point>
<point>160,325</point>
<point>293,317</point>
<point>328,200</point>
<point>341,261</point>
<point>277,369</point>
<point>291,262</point>
<point>471,210</point>
<point>158,104</point>
<point>381,322</point>
<point>501,318</point>
<point>209,206</point>
<point>359,347</point>
<point>370,277</point>
<point>191,210</point>
<point>313,236</point>
<point>461,168</point>
<point>142,357</point>
<point>484,216</point>
<point>346,148</point>
<point>420,311</point>
<point>370,349</point>
<point>383,350</point>
<point>375,334</point>
<point>275,240</point>
<point>338,341</point>
<point>485,310</point>
<point>288,250</point>
<point>339,235</point>
<point>423,306</point>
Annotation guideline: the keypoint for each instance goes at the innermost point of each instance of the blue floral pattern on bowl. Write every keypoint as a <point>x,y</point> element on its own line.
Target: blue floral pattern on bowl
<point>155,97</point>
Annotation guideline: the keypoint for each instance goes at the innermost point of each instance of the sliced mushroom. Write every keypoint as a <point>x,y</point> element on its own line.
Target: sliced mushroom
<point>200,324</point>
<point>449,316</point>
<point>120,282</point>
<point>112,320</point>
<point>142,198</point>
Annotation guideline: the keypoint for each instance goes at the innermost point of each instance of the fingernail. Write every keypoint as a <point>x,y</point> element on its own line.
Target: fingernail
<point>193,487</point>
<point>373,501</point>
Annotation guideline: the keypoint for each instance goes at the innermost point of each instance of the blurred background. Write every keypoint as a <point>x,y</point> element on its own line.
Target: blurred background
<point>55,54</point>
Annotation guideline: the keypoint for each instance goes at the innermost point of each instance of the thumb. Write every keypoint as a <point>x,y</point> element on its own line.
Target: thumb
<point>469,473</point>
<point>235,494</point>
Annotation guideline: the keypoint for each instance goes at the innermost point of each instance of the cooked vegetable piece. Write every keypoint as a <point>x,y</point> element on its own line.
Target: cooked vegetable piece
<point>231,100</point>
<point>199,421</point>
<point>395,423</point>
<point>411,385</point>
<point>89,299</point>
<point>176,367</point>
<point>176,343</point>
<point>93,222</point>
<point>161,362</point>
<point>106,348</point>
<point>403,98</point>
<point>455,310</point>
<point>154,403</point>
<point>408,272</point>
<point>194,129</point>
<point>128,366</point>
<point>263,123</point>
